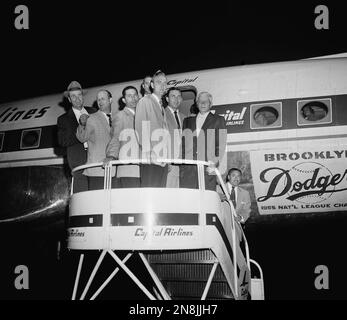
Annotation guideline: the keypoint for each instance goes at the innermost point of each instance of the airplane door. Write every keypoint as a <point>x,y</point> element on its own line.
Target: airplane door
<point>188,103</point>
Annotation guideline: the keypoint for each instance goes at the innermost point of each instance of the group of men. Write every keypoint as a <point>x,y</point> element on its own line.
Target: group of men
<point>144,129</point>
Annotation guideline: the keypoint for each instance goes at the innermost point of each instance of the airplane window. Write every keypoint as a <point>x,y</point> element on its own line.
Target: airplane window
<point>2,135</point>
<point>266,115</point>
<point>30,139</point>
<point>314,111</point>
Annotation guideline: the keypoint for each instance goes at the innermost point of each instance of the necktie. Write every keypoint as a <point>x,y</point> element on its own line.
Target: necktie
<point>177,120</point>
<point>109,119</point>
<point>161,107</point>
<point>232,196</point>
<point>85,144</point>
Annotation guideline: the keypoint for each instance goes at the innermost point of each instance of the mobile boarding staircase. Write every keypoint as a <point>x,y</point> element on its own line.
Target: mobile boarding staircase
<point>188,240</point>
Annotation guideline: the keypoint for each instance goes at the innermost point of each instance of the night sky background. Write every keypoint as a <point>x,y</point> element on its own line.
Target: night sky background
<point>101,42</point>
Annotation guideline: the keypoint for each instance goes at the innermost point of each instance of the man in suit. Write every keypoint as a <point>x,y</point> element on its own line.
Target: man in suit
<point>124,144</point>
<point>67,126</point>
<point>96,131</point>
<point>239,196</point>
<point>152,132</point>
<point>203,138</point>
<point>174,121</point>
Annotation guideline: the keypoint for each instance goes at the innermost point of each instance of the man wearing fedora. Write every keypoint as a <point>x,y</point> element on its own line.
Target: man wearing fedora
<point>67,126</point>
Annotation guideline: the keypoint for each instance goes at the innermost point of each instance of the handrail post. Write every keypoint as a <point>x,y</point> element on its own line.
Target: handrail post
<point>72,185</point>
<point>201,176</point>
<point>107,214</point>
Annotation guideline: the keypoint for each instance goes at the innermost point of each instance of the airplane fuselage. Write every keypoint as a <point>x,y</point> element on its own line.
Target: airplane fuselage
<point>292,164</point>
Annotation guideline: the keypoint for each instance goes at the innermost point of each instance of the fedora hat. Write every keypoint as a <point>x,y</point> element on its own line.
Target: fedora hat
<point>74,85</point>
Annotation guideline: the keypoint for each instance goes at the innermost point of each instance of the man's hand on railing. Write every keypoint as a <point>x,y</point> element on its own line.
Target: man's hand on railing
<point>240,218</point>
<point>211,168</point>
<point>153,159</point>
<point>107,160</point>
<point>222,197</point>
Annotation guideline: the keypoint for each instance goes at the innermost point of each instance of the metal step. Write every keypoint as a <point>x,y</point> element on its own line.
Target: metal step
<point>194,290</point>
<point>187,272</point>
<point>184,274</point>
<point>189,256</point>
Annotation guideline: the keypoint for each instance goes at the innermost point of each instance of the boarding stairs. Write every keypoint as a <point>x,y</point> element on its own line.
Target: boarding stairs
<point>188,240</point>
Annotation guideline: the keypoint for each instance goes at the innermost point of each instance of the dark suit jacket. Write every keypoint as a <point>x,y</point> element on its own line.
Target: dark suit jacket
<point>172,126</point>
<point>67,126</point>
<point>210,144</point>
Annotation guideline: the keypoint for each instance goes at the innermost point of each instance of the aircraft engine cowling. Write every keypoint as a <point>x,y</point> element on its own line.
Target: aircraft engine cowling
<point>36,195</point>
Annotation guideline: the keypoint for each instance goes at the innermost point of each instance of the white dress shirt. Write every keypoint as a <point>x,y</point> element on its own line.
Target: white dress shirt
<point>106,116</point>
<point>200,119</point>
<point>78,114</point>
<point>236,192</point>
<point>229,190</point>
